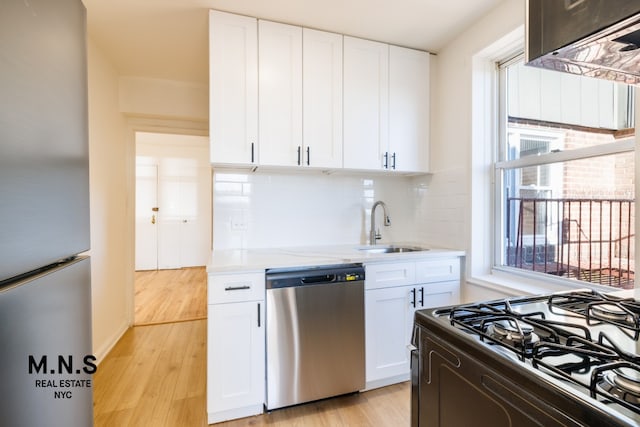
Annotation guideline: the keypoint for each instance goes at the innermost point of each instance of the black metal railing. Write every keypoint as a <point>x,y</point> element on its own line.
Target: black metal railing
<point>585,239</point>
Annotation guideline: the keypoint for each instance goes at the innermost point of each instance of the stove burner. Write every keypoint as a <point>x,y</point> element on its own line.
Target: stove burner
<point>611,312</point>
<point>597,307</point>
<point>513,332</point>
<point>623,383</point>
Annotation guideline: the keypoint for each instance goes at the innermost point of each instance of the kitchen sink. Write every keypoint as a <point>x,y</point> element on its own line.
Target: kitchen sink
<point>388,249</point>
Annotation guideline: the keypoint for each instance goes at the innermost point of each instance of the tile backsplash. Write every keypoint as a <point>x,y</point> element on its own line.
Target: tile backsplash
<point>262,210</point>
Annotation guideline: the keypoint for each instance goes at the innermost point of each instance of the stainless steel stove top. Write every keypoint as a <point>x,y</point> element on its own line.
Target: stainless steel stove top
<point>586,342</point>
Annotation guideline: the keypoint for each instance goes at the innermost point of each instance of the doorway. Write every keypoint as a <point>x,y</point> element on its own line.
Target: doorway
<point>173,201</point>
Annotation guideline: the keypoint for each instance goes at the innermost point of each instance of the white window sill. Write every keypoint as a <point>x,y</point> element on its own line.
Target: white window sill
<point>514,282</point>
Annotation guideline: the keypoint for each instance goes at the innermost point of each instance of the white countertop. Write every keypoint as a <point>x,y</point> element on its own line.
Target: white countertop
<point>237,260</point>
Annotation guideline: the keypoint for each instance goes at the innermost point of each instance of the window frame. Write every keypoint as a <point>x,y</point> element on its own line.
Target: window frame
<point>501,165</point>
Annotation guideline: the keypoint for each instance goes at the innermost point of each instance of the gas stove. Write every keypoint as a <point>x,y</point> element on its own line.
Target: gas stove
<point>562,359</point>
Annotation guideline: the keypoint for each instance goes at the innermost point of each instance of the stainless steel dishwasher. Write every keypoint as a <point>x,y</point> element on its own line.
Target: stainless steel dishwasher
<point>315,333</point>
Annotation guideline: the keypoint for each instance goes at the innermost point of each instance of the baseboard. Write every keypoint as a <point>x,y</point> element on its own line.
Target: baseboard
<point>232,414</point>
<point>107,346</point>
<point>370,385</point>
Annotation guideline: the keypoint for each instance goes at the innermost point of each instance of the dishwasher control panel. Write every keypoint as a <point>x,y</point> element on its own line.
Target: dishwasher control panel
<point>289,277</point>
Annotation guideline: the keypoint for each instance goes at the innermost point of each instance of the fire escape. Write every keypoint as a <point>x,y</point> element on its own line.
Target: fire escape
<point>584,239</point>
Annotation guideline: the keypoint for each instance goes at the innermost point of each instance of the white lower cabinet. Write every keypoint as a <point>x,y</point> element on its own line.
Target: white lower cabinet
<point>390,304</point>
<point>387,316</point>
<point>235,346</point>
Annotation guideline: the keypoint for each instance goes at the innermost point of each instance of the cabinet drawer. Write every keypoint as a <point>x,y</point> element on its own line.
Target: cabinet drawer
<point>441,294</point>
<point>439,270</point>
<point>389,275</point>
<point>225,288</point>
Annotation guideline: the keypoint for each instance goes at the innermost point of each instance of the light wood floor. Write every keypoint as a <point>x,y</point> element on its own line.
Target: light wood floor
<point>156,376</point>
<point>170,295</point>
<point>384,407</point>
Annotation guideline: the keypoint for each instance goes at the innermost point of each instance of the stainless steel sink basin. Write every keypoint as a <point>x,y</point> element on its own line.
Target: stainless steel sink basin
<point>388,249</point>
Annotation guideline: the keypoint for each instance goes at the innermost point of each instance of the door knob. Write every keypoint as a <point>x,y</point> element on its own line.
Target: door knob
<point>153,219</point>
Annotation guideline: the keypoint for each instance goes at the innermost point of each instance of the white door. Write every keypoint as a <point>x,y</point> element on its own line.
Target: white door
<point>322,98</point>
<point>146,217</point>
<point>185,220</point>
<point>170,217</point>
<point>233,73</point>
<point>197,221</point>
<point>280,94</point>
<point>366,103</point>
<point>181,198</point>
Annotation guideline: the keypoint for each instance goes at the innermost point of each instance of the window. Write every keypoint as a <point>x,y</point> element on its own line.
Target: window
<point>565,176</point>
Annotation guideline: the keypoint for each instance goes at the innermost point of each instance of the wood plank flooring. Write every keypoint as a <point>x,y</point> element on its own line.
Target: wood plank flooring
<point>156,374</point>
<point>170,295</point>
<point>388,406</point>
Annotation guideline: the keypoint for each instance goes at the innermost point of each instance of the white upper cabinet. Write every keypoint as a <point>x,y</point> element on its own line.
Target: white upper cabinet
<point>285,96</point>
<point>233,74</point>
<point>366,104</point>
<point>322,99</point>
<point>408,110</point>
<point>280,93</point>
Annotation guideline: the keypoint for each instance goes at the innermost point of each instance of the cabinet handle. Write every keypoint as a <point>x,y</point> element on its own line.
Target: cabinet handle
<point>393,161</point>
<point>258,315</point>
<point>299,155</point>
<point>237,288</point>
<point>308,156</point>
<point>413,297</point>
<point>386,160</point>
<point>422,297</point>
<point>252,152</point>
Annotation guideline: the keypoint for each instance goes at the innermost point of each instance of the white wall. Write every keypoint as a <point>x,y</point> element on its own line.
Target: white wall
<point>163,98</point>
<point>118,107</point>
<point>265,209</point>
<point>112,269</point>
<point>462,124</point>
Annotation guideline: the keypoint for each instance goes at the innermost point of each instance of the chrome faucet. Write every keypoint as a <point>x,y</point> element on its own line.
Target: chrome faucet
<point>373,236</point>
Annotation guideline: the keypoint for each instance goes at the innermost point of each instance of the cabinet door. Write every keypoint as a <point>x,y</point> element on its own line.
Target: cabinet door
<point>233,97</point>
<point>408,109</point>
<point>280,93</point>
<point>322,98</point>
<point>236,352</point>
<point>387,313</point>
<point>366,103</point>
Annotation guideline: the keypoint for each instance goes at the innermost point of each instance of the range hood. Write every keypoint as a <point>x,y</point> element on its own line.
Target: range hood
<point>595,38</point>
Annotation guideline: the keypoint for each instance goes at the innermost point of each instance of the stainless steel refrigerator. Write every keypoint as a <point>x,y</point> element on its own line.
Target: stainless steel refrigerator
<point>46,361</point>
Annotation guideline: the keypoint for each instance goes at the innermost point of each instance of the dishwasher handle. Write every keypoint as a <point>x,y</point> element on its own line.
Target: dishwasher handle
<point>312,280</point>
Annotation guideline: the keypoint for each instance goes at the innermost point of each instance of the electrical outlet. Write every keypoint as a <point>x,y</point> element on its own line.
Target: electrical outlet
<point>239,224</point>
